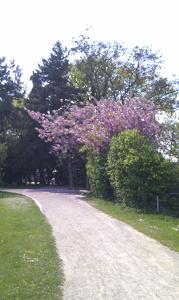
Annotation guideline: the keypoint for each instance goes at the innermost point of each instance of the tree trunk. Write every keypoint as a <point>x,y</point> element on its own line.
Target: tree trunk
<point>70,172</point>
<point>42,176</point>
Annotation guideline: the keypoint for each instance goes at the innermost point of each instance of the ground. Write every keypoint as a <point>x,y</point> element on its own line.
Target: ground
<point>105,259</point>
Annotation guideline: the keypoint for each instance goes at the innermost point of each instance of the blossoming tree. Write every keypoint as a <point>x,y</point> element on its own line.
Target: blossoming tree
<point>94,125</point>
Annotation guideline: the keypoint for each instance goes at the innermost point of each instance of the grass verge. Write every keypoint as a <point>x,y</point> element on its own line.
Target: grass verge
<point>164,229</point>
<point>30,266</point>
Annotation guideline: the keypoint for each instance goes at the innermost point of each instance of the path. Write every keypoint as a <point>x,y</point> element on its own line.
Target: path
<point>105,259</point>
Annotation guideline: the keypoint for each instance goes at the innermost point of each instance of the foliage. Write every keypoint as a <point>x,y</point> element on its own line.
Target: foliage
<point>51,89</point>
<point>29,159</point>
<point>172,147</point>
<point>3,156</point>
<point>137,172</point>
<point>107,118</point>
<point>96,167</point>
<point>94,124</point>
<point>100,69</point>
<point>110,70</point>
<point>11,93</point>
<point>10,89</point>
<point>30,266</point>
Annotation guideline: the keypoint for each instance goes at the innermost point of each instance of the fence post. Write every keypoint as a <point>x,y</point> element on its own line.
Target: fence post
<point>158,204</point>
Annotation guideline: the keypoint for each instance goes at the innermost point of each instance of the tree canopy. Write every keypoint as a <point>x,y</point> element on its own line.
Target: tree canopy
<point>10,90</point>
<point>82,97</point>
<point>110,70</point>
<point>51,89</point>
<point>94,124</point>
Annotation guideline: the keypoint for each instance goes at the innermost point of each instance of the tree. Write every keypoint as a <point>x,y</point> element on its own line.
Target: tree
<point>98,122</point>
<point>57,130</point>
<point>137,172</point>
<point>110,70</point>
<point>11,93</point>
<point>10,90</point>
<point>172,144</point>
<point>28,158</point>
<point>51,89</point>
<point>3,155</point>
<point>93,125</point>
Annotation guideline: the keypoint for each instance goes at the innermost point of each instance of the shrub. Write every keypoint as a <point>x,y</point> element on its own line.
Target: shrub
<point>98,179</point>
<point>138,173</point>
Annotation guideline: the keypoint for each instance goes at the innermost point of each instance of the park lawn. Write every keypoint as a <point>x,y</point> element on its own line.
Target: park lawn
<point>162,228</point>
<point>29,264</point>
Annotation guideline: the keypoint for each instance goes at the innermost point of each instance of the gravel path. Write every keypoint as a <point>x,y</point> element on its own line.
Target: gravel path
<point>105,259</point>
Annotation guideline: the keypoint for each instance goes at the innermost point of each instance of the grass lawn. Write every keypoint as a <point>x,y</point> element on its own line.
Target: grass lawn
<point>164,229</point>
<point>29,264</point>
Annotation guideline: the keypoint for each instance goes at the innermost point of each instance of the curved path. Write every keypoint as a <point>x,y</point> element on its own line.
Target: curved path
<point>105,259</point>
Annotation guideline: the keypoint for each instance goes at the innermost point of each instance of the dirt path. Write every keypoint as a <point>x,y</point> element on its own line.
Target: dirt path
<point>105,259</point>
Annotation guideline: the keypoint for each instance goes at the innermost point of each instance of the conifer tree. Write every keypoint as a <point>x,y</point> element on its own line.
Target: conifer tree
<point>51,89</point>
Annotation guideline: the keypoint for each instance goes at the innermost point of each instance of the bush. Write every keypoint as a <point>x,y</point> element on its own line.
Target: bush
<point>138,173</point>
<point>98,179</point>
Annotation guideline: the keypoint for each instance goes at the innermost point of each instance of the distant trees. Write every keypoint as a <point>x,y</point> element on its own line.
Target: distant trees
<point>11,93</point>
<point>172,147</point>
<point>68,101</point>
<point>10,89</point>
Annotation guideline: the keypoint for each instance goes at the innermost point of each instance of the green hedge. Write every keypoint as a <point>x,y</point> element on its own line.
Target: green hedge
<point>96,167</point>
<point>137,172</point>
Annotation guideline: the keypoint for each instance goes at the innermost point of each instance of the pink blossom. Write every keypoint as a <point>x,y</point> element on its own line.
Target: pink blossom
<point>94,124</point>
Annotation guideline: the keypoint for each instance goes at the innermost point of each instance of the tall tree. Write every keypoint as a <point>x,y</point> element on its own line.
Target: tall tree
<point>10,90</point>
<point>51,89</point>
<point>110,70</point>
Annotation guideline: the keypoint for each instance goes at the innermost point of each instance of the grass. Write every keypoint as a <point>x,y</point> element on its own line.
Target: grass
<point>164,229</point>
<point>29,264</point>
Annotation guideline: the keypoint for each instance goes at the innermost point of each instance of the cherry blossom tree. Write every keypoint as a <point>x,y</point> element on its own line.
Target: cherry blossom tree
<point>104,119</point>
<point>94,124</point>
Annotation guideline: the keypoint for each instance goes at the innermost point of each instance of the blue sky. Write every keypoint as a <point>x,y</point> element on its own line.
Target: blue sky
<point>29,29</point>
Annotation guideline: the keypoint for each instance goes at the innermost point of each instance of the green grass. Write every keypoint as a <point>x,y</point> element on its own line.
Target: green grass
<point>164,229</point>
<point>29,264</point>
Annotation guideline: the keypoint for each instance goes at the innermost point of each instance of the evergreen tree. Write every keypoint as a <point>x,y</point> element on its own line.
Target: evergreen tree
<point>10,90</point>
<point>51,89</point>
<point>11,93</point>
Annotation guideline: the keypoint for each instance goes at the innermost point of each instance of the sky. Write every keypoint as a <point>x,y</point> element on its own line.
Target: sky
<point>30,28</point>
